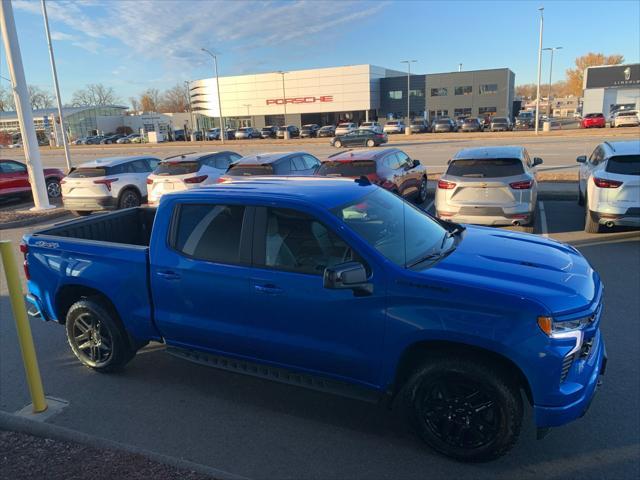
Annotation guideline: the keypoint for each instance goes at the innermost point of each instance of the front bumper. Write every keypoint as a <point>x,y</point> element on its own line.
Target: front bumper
<point>89,203</point>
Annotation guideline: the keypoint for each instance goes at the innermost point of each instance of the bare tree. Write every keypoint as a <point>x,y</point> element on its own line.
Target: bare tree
<point>150,100</point>
<point>135,104</point>
<point>94,94</point>
<point>175,99</point>
<point>39,98</point>
<point>6,100</point>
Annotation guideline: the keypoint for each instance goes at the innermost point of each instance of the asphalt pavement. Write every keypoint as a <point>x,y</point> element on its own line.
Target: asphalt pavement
<point>258,429</point>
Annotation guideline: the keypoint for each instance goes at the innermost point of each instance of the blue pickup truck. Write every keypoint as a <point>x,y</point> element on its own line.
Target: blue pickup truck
<point>339,286</point>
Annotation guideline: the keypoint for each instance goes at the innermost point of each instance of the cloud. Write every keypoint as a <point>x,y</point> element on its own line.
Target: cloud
<point>62,36</point>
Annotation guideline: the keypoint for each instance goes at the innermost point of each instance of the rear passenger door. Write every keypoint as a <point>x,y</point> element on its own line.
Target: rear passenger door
<point>200,278</point>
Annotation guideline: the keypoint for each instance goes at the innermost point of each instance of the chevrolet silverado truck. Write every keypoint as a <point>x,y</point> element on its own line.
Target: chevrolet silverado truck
<point>340,286</point>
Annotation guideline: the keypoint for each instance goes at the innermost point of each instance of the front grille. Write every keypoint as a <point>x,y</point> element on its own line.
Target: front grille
<point>496,211</point>
<point>585,351</point>
<point>566,366</point>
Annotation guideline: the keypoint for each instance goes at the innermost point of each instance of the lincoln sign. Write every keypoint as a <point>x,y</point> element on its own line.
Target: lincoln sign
<point>296,100</point>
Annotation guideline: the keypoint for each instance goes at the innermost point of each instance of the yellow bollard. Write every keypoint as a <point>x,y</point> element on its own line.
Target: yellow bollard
<point>22,326</point>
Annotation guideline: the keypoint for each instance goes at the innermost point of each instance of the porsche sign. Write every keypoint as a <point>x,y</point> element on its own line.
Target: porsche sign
<point>298,100</point>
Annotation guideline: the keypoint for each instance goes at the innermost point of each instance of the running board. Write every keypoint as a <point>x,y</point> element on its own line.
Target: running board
<point>305,380</point>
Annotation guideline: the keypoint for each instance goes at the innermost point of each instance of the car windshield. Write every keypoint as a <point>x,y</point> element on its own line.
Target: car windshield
<point>326,128</point>
<point>176,168</point>
<point>486,168</point>
<point>624,164</point>
<point>499,120</point>
<point>401,232</point>
<point>240,170</point>
<point>84,172</point>
<point>349,168</point>
<point>344,125</point>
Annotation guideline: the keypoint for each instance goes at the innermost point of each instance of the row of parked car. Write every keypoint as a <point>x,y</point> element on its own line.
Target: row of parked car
<point>108,139</point>
<point>623,118</point>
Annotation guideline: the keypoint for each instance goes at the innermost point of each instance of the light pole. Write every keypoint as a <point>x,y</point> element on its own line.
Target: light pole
<point>284,104</point>
<point>65,144</point>
<point>223,132</point>
<point>186,84</point>
<point>459,67</point>
<point>408,62</point>
<point>551,49</point>
<point>541,9</point>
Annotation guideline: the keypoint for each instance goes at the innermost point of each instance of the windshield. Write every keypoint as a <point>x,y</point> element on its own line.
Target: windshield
<point>176,168</point>
<point>239,170</point>
<point>88,172</point>
<point>499,120</point>
<point>395,228</point>
<point>624,164</point>
<point>486,168</point>
<point>355,168</point>
<point>443,122</point>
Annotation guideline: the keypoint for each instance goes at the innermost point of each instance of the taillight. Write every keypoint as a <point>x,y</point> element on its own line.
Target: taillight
<point>106,182</point>
<point>198,179</point>
<point>444,185</point>
<point>223,180</point>
<point>24,248</point>
<point>604,183</point>
<point>149,181</point>
<point>525,185</point>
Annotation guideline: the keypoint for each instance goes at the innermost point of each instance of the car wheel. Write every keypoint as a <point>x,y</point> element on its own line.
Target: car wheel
<point>371,143</point>
<point>97,337</point>
<point>53,188</point>
<point>580,196</point>
<point>337,144</point>
<point>422,191</point>
<point>464,409</point>
<point>590,225</point>
<point>129,199</point>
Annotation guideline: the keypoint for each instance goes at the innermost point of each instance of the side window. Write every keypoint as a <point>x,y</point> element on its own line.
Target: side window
<point>403,159</point>
<point>139,166</point>
<point>222,161</point>
<point>310,162</point>
<point>596,156</point>
<point>209,232</point>
<point>297,164</point>
<point>12,167</point>
<point>153,163</point>
<point>283,167</point>
<point>234,157</point>
<point>392,162</point>
<point>297,242</point>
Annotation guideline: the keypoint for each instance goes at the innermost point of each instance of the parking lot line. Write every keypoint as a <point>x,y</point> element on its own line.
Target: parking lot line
<point>543,220</point>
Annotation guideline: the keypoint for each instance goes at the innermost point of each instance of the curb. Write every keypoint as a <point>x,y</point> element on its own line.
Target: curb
<point>34,220</point>
<point>46,430</point>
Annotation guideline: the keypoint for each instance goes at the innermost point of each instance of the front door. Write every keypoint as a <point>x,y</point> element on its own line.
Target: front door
<point>296,322</point>
<point>200,280</point>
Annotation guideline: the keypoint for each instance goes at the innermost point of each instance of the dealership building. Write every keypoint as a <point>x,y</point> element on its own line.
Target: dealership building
<point>610,88</point>
<point>354,93</point>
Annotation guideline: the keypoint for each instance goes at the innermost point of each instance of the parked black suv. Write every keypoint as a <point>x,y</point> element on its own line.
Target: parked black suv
<point>310,130</point>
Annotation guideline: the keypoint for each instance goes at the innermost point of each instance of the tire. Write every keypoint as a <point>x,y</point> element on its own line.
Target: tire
<point>53,188</point>
<point>580,196</point>
<point>590,225</point>
<point>371,143</point>
<point>337,144</point>
<point>465,409</point>
<point>129,198</point>
<point>96,336</point>
<point>422,191</point>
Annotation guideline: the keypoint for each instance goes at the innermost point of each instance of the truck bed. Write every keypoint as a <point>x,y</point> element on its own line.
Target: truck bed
<point>132,226</point>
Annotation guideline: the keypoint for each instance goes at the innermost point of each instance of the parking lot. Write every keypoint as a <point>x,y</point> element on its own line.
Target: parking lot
<point>257,429</point>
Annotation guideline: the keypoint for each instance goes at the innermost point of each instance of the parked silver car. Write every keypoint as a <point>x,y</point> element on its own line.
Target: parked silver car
<point>489,186</point>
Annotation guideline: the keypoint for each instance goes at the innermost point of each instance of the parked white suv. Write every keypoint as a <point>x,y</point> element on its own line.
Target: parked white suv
<point>107,184</point>
<point>394,127</point>
<point>626,118</point>
<point>374,126</point>
<point>344,128</point>
<point>184,172</point>
<point>609,185</point>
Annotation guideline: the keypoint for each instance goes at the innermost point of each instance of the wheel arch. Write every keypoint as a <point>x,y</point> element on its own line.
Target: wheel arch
<point>129,187</point>
<point>69,294</point>
<point>420,352</point>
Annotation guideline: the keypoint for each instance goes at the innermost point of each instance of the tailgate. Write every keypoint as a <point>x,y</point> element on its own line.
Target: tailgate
<point>483,193</point>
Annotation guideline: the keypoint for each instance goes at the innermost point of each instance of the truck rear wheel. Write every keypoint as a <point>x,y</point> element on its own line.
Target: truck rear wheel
<point>96,336</point>
<point>464,409</point>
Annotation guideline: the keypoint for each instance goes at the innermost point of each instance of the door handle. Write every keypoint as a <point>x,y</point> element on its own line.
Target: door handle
<point>168,275</point>
<point>268,289</point>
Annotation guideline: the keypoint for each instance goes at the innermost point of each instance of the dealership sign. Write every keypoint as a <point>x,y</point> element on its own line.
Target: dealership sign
<point>298,100</point>
<point>613,76</point>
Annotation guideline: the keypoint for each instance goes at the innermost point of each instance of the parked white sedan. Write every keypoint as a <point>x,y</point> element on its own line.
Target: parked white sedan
<point>184,172</point>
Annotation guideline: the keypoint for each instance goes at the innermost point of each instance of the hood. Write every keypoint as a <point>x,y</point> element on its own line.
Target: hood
<point>551,273</point>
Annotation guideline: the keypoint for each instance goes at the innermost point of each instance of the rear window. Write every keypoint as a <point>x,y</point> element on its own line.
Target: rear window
<point>486,168</point>
<point>470,120</point>
<point>344,125</point>
<point>246,170</point>
<point>593,115</point>
<point>392,123</point>
<point>89,172</point>
<point>624,164</point>
<point>177,168</point>
<point>499,120</point>
<point>627,114</point>
<point>355,168</point>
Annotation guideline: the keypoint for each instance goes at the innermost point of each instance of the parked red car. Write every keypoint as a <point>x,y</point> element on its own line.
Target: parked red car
<point>14,180</point>
<point>390,168</point>
<point>593,120</point>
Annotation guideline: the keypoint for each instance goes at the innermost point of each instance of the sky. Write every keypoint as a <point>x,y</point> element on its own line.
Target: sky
<point>133,45</point>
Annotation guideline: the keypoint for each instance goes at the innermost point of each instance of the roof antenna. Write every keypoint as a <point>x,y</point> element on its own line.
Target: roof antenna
<point>363,181</point>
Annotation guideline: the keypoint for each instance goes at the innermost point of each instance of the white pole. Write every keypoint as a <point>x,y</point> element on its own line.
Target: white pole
<point>408,62</point>
<point>539,69</point>
<point>65,143</point>
<point>23,108</point>
<point>223,132</point>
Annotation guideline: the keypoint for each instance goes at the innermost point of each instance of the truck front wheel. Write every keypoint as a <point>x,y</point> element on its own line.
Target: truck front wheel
<point>96,336</point>
<point>464,409</point>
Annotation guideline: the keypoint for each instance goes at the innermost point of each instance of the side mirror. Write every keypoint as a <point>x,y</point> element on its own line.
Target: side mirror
<point>416,163</point>
<point>537,161</point>
<point>349,275</point>
<point>582,159</point>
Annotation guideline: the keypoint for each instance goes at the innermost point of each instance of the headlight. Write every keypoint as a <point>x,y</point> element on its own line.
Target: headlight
<point>556,329</point>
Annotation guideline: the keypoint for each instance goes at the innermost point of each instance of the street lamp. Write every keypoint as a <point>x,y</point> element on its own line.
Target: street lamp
<point>541,9</point>
<point>551,49</point>
<point>408,62</point>
<point>284,104</point>
<point>215,63</point>
<point>186,84</point>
